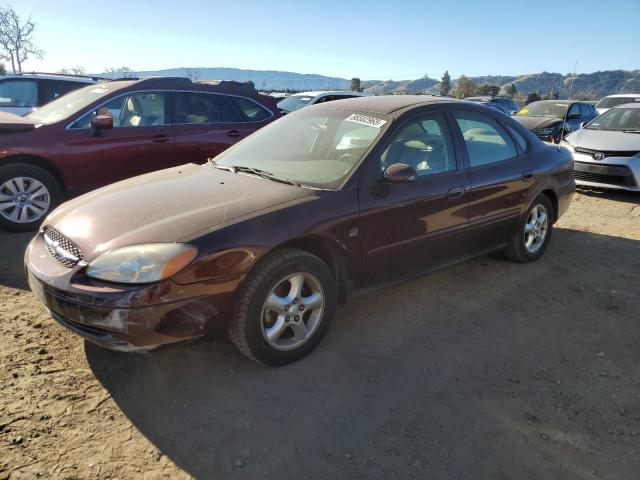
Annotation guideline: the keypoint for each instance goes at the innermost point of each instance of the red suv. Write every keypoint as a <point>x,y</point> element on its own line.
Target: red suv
<point>114,130</point>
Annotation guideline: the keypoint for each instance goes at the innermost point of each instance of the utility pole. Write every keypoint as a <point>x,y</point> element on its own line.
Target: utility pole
<point>573,79</point>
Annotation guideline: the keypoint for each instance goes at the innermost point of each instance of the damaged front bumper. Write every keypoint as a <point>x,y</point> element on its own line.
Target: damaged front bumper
<point>118,322</point>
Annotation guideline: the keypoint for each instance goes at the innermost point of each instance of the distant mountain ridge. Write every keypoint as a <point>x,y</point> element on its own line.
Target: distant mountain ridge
<point>596,84</point>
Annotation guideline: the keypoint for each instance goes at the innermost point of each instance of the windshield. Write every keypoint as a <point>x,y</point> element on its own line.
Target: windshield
<point>610,102</point>
<point>543,109</point>
<point>315,148</point>
<point>617,119</point>
<point>72,102</point>
<point>295,102</point>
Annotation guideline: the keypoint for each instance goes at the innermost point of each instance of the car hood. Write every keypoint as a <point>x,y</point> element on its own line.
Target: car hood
<point>165,206</point>
<point>604,140</point>
<point>11,123</point>
<point>533,123</point>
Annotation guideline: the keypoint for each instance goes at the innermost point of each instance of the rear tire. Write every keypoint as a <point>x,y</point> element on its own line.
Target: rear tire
<point>27,195</point>
<point>534,234</point>
<point>284,308</point>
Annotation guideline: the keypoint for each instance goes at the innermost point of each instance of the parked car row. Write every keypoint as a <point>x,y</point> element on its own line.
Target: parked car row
<point>265,238</point>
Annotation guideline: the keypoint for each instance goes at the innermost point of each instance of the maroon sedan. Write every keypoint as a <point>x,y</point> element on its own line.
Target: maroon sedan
<point>114,130</point>
<point>266,240</point>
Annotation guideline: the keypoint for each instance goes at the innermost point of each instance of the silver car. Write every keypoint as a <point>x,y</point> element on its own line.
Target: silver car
<point>606,152</point>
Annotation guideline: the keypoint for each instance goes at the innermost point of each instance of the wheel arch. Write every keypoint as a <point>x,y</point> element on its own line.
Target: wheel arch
<point>331,253</point>
<point>553,197</point>
<point>36,161</point>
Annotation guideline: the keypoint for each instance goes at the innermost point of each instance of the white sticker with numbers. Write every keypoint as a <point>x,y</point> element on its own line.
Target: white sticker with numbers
<point>367,120</point>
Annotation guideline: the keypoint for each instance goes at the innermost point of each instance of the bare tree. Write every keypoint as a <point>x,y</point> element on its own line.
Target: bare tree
<point>122,72</point>
<point>77,70</point>
<point>16,38</point>
<point>192,74</point>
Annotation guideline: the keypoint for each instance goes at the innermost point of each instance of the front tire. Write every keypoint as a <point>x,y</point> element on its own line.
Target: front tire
<point>27,195</point>
<point>534,234</point>
<point>284,308</point>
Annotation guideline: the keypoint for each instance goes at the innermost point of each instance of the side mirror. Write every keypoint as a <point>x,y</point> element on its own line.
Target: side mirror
<point>102,122</point>
<point>399,173</point>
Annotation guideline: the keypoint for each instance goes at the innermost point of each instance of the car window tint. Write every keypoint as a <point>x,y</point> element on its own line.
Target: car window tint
<point>199,108</point>
<point>135,110</point>
<point>484,138</point>
<point>575,109</point>
<point>18,93</point>
<point>519,138</point>
<point>424,144</point>
<point>586,109</point>
<point>250,110</point>
<point>51,89</point>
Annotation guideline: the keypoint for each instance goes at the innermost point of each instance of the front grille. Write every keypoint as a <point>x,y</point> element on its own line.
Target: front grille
<point>607,153</point>
<point>600,178</point>
<point>61,248</point>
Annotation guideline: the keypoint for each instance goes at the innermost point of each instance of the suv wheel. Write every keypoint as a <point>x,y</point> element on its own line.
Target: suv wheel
<point>531,241</point>
<point>284,308</point>
<point>27,194</point>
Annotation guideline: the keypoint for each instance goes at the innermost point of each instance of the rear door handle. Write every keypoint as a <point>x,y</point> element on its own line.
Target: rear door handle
<point>527,175</point>
<point>456,192</point>
<point>161,139</point>
<point>234,133</point>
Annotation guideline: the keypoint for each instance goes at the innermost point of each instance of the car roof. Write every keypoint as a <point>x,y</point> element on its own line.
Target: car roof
<point>315,93</point>
<point>628,105</point>
<point>624,95</point>
<point>564,102</point>
<point>182,83</point>
<point>385,104</point>
<point>487,97</point>
<point>55,76</point>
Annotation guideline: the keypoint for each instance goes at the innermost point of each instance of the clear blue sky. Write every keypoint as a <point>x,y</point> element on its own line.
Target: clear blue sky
<point>398,39</point>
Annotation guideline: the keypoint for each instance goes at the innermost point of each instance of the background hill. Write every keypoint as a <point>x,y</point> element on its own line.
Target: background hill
<point>592,85</point>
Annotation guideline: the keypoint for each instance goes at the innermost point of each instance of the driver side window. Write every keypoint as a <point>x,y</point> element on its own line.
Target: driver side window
<point>143,109</point>
<point>424,144</point>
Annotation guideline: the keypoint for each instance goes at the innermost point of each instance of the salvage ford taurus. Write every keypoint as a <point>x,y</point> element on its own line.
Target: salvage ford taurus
<point>294,219</point>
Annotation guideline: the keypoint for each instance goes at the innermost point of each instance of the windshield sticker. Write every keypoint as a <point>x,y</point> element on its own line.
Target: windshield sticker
<point>367,120</point>
<point>523,111</point>
<point>99,90</point>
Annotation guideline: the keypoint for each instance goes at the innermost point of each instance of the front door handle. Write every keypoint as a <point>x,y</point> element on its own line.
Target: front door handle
<point>234,133</point>
<point>527,175</point>
<point>456,192</point>
<point>161,139</point>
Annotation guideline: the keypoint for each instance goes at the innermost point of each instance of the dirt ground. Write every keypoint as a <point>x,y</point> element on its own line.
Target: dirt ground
<point>486,370</point>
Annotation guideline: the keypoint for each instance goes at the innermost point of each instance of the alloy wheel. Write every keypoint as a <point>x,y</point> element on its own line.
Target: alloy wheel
<point>292,311</point>
<point>535,229</point>
<point>24,200</point>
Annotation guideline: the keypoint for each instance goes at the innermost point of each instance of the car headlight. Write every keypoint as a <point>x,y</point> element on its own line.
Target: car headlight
<point>142,263</point>
<point>567,145</point>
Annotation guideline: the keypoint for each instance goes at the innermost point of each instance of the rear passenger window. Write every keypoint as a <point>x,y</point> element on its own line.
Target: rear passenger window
<point>519,138</point>
<point>201,108</point>
<point>250,110</point>
<point>485,139</point>
<point>424,144</point>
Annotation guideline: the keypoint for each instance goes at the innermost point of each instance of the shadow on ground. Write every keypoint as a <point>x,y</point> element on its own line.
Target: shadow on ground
<point>613,195</point>
<point>486,370</point>
<point>13,247</point>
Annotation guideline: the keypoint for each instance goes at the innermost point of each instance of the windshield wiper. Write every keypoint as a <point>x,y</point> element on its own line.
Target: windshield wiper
<point>254,171</point>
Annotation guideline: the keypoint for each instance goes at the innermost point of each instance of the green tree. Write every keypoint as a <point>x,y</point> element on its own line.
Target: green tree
<point>445,84</point>
<point>512,91</point>
<point>532,97</point>
<point>488,89</point>
<point>356,84</point>
<point>464,87</point>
